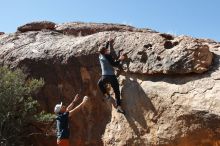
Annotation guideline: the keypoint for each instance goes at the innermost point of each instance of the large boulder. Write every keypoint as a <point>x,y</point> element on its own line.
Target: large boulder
<point>37,26</point>
<point>1,33</point>
<point>170,84</point>
<point>83,29</point>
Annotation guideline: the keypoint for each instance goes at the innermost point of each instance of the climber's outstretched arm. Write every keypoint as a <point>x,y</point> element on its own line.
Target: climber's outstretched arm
<point>77,108</point>
<point>70,106</point>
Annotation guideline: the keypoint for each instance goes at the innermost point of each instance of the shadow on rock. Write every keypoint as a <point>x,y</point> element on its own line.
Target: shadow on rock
<point>137,105</point>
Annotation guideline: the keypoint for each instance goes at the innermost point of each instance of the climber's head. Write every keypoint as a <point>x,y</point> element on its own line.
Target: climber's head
<point>60,108</point>
<point>103,50</point>
<point>63,109</point>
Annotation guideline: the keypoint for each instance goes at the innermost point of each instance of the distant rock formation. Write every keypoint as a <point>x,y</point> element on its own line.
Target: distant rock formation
<point>170,84</point>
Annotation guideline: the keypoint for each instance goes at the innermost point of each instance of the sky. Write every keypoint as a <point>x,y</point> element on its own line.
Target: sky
<point>197,18</point>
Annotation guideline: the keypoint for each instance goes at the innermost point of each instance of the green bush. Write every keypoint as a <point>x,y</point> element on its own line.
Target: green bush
<point>45,117</point>
<point>17,108</point>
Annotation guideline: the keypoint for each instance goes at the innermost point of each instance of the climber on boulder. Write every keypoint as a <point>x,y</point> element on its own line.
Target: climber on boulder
<point>108,76</point>
<point>62,119</point>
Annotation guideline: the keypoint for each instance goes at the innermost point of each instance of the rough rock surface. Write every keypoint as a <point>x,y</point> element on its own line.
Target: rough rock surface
<point>37,26</point>
<point>170,86</point>
<point>1,33</point>
<point>83,29</point>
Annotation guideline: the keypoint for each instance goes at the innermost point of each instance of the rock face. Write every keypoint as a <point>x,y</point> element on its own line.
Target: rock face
<point>83,29</point>
<point>36,26</point>
<point>1,33</point>
<point>169,86</point>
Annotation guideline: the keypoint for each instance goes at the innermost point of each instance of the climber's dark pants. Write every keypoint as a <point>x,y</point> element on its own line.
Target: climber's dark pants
<point>111,79</point>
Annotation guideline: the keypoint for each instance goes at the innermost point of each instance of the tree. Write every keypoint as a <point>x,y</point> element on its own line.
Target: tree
<point>17,107</point>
